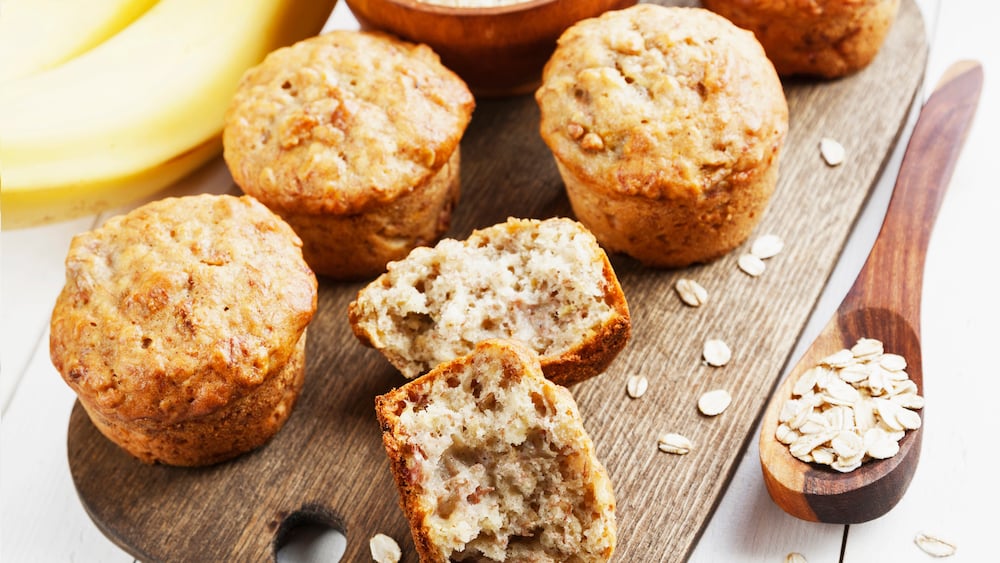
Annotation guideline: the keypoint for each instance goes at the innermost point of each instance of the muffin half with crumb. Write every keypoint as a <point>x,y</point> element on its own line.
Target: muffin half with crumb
<point>493,463</point>
<point>182,327</point>
<point>545,283</point>
<point>353,138</point>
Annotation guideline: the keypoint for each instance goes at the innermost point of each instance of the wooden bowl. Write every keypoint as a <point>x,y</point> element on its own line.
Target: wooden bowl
<point>498,50</point>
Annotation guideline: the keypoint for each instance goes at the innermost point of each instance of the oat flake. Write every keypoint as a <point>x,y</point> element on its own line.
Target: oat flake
<point>767,246</point>
<point>716,353</point>
<point>636,386</point>
<point>935,547</point>
<point>673,443</point>
<point>856,405</point>
<point>714,402</point>
<point>384,549</point>
<point>691,292</point>
<point>832,151</point>
<point>751,265</point>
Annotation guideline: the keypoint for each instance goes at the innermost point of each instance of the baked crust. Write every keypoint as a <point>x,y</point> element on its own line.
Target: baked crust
<point>359,245</point>
<point>492,462</point>
<point>234,428</point>
<point>343,122</point>
<point>179,310</point>
<point>547,283</point>
<point>352,137</point>
<point>826,38</point>
<point>665,123</point>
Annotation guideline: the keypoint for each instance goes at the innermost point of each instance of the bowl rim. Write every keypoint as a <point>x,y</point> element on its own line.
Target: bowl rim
<point>428,7</point>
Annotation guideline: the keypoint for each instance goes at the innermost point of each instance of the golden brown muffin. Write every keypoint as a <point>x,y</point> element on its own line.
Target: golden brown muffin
<point>493,463</point>
<point>827,38</point>
<point>546,283</point>
<point>182,327</point>
<point>353,139</point>
<point>665,124</point>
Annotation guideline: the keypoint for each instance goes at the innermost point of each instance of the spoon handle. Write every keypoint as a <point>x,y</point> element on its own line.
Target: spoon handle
<point>923,178</point>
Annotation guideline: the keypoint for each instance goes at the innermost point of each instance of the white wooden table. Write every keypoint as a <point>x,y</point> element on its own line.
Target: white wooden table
<point>952,495</point>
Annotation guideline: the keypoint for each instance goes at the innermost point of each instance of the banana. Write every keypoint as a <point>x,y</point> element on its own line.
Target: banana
<point>36,35</point>
<point>25,208</point>
<point>131,115</point>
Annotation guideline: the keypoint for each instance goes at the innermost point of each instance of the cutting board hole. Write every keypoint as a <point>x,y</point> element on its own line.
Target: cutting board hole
<point>310,536</point>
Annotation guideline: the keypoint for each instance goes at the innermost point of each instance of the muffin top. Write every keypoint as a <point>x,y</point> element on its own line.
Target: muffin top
<point>181,306</point>
<point>827,38</point>
<point>661,102</point>
<point>343,121</point>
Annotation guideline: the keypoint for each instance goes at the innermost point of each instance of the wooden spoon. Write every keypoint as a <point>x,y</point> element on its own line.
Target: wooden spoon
<point>883,303</point>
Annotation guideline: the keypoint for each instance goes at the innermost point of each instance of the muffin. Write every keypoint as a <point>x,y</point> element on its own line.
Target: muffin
<point>492,463</point>
<point>182,327</point>
<point>666,125</point>
<point>545,283</point>
<point>353,138</point>
<point>826,38</point>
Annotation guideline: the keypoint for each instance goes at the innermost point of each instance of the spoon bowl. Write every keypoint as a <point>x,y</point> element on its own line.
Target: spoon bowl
<point>821,494</point>
<point>883,304</point>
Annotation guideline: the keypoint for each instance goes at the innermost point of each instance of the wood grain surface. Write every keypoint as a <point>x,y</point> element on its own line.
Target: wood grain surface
<point>327,465</point>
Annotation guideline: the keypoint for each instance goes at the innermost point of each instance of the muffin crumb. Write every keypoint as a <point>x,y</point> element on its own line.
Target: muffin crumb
<point>545,283</point>
<point>492,463</point>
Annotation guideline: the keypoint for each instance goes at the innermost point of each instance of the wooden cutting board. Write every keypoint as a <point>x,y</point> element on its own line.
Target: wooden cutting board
<point>328,466</point>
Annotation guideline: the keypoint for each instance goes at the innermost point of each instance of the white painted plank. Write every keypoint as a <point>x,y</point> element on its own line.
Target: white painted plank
<point>748,527</point>
<point>341,18</point>
<point>42,519</point>
<point>30,278</point>
<point>953,490</point>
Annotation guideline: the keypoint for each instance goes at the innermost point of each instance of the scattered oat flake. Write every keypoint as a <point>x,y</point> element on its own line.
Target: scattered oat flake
<point>767,246</point>
<point>714,402</point>
<point>716,352</point>
<point>832,151</point>
<point>673,443</point>
<point>751,265</point>
<point>636,386</point>
<point>935,547</point>
<point>384,549</point>
<point>691,292</point>
<point>795,557</point>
